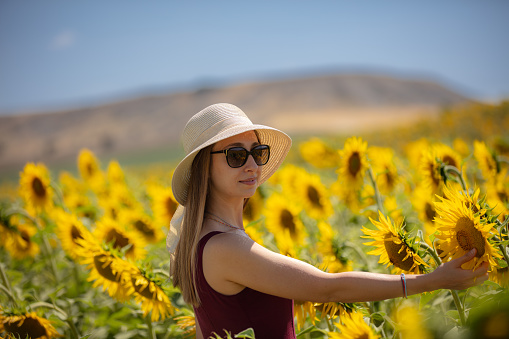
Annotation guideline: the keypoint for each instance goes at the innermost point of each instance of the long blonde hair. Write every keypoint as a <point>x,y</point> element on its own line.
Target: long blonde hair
<point>183,265</point>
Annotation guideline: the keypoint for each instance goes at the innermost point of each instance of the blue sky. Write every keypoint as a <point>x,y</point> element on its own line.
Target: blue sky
<point>61,54</point>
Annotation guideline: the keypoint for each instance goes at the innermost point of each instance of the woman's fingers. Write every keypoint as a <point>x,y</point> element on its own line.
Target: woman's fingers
<point>466,257</point>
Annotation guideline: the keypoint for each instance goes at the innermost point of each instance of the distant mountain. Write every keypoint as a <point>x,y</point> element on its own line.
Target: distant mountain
<point>326,104</point>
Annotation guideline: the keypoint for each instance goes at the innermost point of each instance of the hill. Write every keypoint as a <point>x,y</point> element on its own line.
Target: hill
<point>341,103</point>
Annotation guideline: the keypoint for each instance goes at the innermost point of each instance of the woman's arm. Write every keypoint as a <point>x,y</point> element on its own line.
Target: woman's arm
<point>235,259</point>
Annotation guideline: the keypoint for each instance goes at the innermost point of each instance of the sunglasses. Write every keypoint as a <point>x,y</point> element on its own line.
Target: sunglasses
<point>237,156</point>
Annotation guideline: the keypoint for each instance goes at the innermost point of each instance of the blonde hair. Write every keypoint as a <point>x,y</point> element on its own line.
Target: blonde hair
<point>183,265</point>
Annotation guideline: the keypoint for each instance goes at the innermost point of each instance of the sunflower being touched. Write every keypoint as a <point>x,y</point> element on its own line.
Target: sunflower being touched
<point>105,268</point>
<point>463,226</point>
<point>147,291</point>
<point>353,327</point>
<point>110,232</point>
<point>283,221</point>
<point>26,325</point>
<point>318,153</point>
<point>354,162</point>
<point>393,246</point>
<point>35,187</point>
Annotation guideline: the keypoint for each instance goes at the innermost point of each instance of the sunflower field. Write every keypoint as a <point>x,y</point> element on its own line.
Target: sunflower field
<point>82,253</point>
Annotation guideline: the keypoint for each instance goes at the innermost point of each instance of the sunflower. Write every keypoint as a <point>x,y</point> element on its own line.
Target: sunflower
<point>69,230</point>
<point>331,259</point>
<point>430,170</point>
<point>146,290</point>
<point>463,226</point>
<point>20,243</point>
<point>187,323</point>
<point>26,325</point>
<point>447,155</point>
<point>104,267</point>
<point>461,147</point>
<point>90,171</point>
<point>486,159</point>
<point>287,179</point>
<point>354,162</point>
<point>424,203</point>
<point>142,224</point>
<point>498,194</point>
<point>393,246</point>
<point>500,276</point>
<point>414,151</point>
<point>252,210</point>
<point>318,153</point>
<point>382,160</point>
<point>163,204</point>
<point>354,327</point>
<point>314,196</point>
<point>409,322</point>
<point>114,173</point>
<point>108,231</point>
<point>304,310</point>
<point>35,187</point>
<point>283,221</point>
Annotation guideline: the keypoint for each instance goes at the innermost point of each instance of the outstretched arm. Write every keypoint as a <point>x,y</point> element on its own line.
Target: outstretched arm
<point>235,259</point>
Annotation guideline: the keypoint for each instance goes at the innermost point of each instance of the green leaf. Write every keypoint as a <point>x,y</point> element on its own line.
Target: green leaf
<point>247,333</point>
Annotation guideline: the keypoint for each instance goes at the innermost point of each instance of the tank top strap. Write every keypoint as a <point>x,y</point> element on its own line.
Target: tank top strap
<point>206,238</point>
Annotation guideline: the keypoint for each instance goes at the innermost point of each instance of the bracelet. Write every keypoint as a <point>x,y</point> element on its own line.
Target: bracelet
<point>403,282</point>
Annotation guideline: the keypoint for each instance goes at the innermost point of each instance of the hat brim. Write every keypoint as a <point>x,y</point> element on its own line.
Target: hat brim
<point>278,141</point>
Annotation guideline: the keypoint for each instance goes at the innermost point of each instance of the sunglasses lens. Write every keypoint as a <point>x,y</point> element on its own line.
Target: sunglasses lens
<point>261,154</point>
<point>236,157</point>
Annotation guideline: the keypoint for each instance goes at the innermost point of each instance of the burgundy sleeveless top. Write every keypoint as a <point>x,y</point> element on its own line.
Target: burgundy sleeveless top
<point>268,315</point>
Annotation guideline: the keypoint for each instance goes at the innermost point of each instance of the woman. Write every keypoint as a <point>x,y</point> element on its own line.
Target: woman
<point>232,282</point>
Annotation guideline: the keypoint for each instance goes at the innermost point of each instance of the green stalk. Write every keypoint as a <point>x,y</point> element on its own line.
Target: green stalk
<point>457,302</point>
<point>378,198</point>
<point>454,170</point>
<point>151,331</point>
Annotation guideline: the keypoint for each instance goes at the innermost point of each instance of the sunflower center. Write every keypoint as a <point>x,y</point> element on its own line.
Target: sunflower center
<point>469,237</point>
<point>75,234</point>
<point>430,212</point>
<point>103,268</point>
<point>354,164</point>
<point>314,196</point>
<point>432,174</point>
<point>141,226</point>
<point>389,178</point>
<point>141,290</point>
<point>38,188</point>
<point>449,161</point>
<point>395,256</point>
<point>362,336</point>
<point>286,219</point>
<point>26,328</point>
<point>118,239</point>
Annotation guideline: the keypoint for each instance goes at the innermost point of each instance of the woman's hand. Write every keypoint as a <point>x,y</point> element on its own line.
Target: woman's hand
<point>451,276</point>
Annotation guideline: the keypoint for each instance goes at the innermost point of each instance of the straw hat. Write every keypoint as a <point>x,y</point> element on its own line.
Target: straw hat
<point>212,124</point>
<point>218,122</point>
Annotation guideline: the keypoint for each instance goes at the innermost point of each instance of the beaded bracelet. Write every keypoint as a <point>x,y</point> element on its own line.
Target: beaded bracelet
<point>403,282</point>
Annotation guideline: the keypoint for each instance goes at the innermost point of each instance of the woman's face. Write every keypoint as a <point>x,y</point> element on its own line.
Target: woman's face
<point>228,183</point>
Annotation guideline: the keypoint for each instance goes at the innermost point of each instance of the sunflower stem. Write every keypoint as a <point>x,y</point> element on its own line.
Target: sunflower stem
<point>454,170</point>
<point>47,249</point>
<point>151,331</point>
<point>502,249</point>
<point>431,251</point>
<point>9,294</point>
<point>60,196</point>
<point>457,302</point>
<point>378,198</point>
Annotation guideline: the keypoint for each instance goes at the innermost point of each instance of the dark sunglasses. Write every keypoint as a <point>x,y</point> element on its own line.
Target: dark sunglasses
<point>237,156</point>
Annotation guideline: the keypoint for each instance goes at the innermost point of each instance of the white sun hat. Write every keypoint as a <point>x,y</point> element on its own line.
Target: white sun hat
<point>210,125</point>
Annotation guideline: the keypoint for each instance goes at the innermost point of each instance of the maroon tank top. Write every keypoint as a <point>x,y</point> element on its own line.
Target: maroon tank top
<point>268,315</point>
